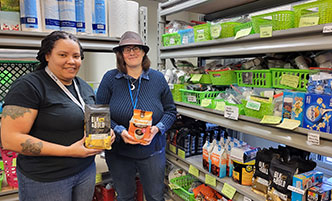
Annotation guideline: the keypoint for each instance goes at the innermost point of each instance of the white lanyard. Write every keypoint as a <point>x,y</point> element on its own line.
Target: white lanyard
<point>81,103</point>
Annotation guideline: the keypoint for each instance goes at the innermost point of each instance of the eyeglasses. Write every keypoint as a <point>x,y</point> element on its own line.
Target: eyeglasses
<point>127,50</point>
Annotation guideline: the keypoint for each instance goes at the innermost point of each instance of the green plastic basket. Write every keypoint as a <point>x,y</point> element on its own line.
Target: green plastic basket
<point>196,97</point>
<point>184,183</point>
<point>244,26</point>
<point>227,29</point>
<point>279,20</point>
<point>171,39</point>
<point>254,78</point>
<point>265,109</point>
<point>177,96</point>
<point>10,70</point>
<point>323,11</point>
<point>222,77</point>
<point>303,76</point>
<point>202,32</point>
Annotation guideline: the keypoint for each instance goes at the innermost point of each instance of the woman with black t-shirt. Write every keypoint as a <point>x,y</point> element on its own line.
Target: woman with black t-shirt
<point>43,120</point>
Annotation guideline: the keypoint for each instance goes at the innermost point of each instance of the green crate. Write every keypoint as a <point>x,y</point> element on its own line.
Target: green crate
<point>244,26</point>
<point>171,39</point>
<point>196,97</point>
<point>227,29</point>
<point>177,96</point>
<point>222,77</point>
<point>279,20</point>
<point>324,10</point>
<point>265,109</point>
<point>183,183</point>
<point>10,70</point>
<point>254,78</point>
<point>202,32</point>
<point>303,76</point>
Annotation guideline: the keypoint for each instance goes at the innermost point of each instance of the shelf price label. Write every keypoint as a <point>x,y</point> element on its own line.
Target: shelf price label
<point>246,198</point>
<point>191,99</point>
<point>196,77</point>
<point>194,171</point>
<point>289,124</point>
<point>267,119</point>
<point>242,33</point>
<point>210,180</point>
<point>231,112</point>
<point>98,178</point>
<point>254,105</point>
<point>308,21</point>
<point>313,139</point>
<point>220,106</point>
<point>327,29</point>
<point>181,153</point>
<point>290,80</point>
<point>228,190</point>
<point>172,148</point>
<point>265,31</point>
<point>206,102</point>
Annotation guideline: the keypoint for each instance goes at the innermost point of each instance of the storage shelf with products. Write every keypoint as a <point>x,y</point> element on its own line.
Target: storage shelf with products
<point>248,125</point>
<point>291,40</point>
<point>31,40</point>
<point>196,161</point>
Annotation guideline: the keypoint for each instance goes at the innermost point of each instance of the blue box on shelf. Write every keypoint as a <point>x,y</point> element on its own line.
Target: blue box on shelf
<point>187,36</point>
<point>318,112</point>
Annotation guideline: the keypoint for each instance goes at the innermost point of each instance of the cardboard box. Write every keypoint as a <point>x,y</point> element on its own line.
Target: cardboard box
<point>304,181</point>
<point>293,105</point>
<point>317,116</point>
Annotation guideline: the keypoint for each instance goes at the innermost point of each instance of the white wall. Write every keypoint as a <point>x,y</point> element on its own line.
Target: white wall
<point>95,65</point>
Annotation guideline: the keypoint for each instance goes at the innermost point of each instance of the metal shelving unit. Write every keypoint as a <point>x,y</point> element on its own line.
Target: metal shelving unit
<point>291,40</point>
<point>31,40</point>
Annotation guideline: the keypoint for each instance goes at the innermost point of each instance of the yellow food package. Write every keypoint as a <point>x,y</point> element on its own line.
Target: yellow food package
<point>98,126</point>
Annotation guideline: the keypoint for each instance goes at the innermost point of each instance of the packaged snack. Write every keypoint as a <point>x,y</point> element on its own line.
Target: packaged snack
<point>140,125</point>
<point>293,105</point>
<point>98,126</point>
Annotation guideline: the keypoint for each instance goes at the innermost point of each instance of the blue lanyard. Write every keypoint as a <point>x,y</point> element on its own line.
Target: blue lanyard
<point>131,94</point>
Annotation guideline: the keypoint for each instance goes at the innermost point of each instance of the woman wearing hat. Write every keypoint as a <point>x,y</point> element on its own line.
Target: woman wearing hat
<point>133,85</point>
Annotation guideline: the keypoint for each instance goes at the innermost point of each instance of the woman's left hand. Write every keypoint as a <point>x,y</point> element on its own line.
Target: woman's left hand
<point>112,136</point>
<point>153,131</point>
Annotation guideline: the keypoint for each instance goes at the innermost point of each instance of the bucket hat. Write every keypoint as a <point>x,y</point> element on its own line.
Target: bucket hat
<point>131,38</point>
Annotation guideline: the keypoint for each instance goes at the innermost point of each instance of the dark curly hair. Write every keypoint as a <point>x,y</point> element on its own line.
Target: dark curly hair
<point>47,44</point>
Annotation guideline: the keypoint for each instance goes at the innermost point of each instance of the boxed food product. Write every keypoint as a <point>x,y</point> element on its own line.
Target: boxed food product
<point>320,192</point>
<point>318,112</point>
<point>202,32</point>
<point>304,181</point>
<point>98,126</point>
<point>293,105</point>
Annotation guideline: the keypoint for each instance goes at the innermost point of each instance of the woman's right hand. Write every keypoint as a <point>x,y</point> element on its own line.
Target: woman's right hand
<point>78,150</point>
<point>128,139</point>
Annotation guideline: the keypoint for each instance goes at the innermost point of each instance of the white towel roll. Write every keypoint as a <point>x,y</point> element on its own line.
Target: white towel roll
<point>83,9</point>
<point>30,15</point>
<point>117,17</point>
<point>50,15</point>
<point>132,16</point>
<point>99,20</point>
<point>67,16</point>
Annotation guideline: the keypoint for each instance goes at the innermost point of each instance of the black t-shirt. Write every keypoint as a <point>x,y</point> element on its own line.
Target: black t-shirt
<point>59,120</point>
